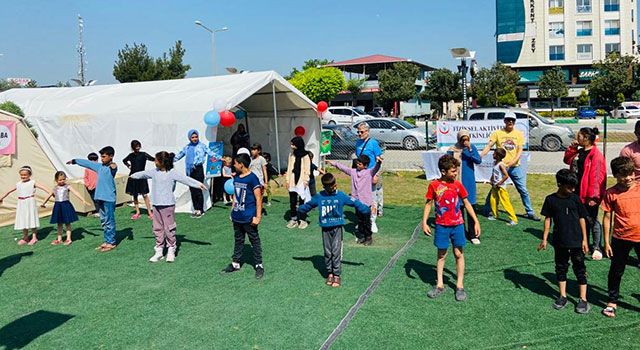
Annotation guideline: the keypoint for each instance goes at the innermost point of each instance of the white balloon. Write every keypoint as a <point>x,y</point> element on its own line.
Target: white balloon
<point>219,104</point>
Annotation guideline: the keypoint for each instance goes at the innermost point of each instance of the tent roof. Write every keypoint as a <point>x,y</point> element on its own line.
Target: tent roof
<point>252,91</point>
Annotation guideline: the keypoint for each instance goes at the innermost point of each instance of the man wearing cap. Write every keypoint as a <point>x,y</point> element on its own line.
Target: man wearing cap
<point>512,141</point>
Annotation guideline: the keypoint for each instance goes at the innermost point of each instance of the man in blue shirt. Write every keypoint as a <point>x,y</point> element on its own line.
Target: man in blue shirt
<point>370,147</point>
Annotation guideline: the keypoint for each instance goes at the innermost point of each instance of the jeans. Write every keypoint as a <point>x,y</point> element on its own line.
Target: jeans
<point>107,212</point>
<point>594,226</point>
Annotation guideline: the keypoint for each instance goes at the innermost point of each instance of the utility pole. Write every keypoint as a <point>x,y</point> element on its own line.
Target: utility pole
<point>81,51</point>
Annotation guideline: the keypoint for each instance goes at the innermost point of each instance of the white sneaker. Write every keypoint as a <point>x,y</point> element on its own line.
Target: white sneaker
<point>158,255</point>
<point>475,241</point>
<point>512,223</point>
<point>303,224</point>
<point>292,224</point>
<point>171,254</point>
<point>374,227</point>
<point>491,218</point>
<point>597,255</point>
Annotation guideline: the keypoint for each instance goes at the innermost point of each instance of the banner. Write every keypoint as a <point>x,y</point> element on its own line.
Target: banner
<point>482,171</point>
<point>480,130</point>
<point>7,137</point>
<point>325,142</point>
<point>214,163</point>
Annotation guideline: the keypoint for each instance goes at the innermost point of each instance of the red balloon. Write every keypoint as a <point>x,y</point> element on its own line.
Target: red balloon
<point>227,118</point>
<point>322,106</point>
<point>299,131</point>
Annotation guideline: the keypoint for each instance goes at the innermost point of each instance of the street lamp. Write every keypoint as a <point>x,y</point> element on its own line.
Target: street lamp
<point>213,41</point>
<point>462,54</point>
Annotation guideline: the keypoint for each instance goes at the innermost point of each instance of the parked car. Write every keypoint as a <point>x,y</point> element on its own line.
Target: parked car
<point>626,111</point>
<point>343,142</point>
<point>378,112</point>
<point>586,112</point>
<point>344,115</point>
<point>543,133</point>
<point>396,132</point>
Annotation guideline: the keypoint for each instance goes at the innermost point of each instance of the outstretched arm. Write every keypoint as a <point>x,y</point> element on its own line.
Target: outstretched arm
<point>185,180</point>
<point>6,194</point>
<point>95,166</point>
<point>339,166</point>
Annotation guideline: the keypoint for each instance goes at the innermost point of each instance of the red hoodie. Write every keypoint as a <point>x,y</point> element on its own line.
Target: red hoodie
<point>594,178</point>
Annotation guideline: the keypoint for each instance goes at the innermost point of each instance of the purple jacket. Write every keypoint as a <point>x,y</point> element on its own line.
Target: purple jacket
<point>361,181</point>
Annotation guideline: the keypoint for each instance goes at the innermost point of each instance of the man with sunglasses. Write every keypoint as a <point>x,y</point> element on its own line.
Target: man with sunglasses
<point>512,140</point>
<point>371,148</point>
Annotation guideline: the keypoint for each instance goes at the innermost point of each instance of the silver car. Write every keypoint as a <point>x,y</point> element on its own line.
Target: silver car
<point>396,132</point>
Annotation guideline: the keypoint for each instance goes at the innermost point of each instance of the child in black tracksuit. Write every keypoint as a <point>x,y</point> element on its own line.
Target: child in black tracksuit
<point>331,203</point>
<point>569,236</point>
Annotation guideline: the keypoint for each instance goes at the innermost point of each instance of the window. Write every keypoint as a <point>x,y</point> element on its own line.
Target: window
<point>583,28</point>
<point>612,27</point>
<point>374,124</point>
<point>556,30</point>
<point>477,116</point>
<point>556,53</point>
<point>612,47</point>
<point>583,6</point>
<point>496,116</point>
<point>521,116</point>
<point>385,124</point>
<point>585,52</point>
<point>556,7</point>
<point>612,5</point>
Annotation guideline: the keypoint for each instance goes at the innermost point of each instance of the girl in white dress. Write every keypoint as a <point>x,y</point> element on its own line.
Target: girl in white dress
<point>26,208</point>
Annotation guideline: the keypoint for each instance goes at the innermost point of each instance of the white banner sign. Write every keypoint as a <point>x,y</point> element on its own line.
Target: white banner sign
<point>480,130</point>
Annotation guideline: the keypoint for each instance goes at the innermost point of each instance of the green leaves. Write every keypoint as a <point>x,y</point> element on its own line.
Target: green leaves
<point>319,84</point>
<point>398,83</point>
<point>135,64</point>
<point>615,79</point>
<point>492,87</point>
<point>444,86</point>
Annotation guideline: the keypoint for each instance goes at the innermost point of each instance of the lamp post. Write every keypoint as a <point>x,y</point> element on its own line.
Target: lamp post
<point>213,41</point>
<point>462,54</point>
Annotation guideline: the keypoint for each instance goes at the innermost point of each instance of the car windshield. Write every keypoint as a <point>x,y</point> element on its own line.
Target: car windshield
<point>346,133</point>
<point>542,119</point>
<point>359,111</point>
<point>632,107</point>
<point>404,124</point>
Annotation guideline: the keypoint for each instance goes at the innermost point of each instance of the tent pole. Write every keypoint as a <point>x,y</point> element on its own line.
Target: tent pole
<point>275,118</point>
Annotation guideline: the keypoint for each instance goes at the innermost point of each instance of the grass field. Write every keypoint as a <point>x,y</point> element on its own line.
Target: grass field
<point>75,298</point>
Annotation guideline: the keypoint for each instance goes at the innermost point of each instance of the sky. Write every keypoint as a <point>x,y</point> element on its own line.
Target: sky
<point>39,38</point>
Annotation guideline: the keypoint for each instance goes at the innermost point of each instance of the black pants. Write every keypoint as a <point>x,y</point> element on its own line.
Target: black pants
<point>470,231</point>
<point>293,206</point>
<point>217,193</point>
<point>240,230</point>
<point>562,256</point>
<point>196,194</point>
<point>332,242</point>
<point>621,250</point>
<point>364,225</point>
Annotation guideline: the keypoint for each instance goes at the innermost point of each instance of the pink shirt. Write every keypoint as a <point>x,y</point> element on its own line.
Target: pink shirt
<point>632,151</point>
<point>90,179</point>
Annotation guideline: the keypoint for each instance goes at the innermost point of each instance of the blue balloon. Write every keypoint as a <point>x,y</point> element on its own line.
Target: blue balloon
<point>240,114</point>
<point>229,188</point>
<point>212,118</point>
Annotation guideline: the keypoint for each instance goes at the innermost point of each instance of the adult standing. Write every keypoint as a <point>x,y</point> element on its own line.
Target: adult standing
<point>512,141</point>
<point>239,139</point>
<point>586,160</point>
<point>632,151</point>
<point>297,180</point>
<point>196,155</point>
<point>468,156</point>
<point>371,148</point>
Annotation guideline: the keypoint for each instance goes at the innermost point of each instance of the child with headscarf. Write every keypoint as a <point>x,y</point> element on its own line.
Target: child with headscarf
<point>297,178</point>
<point>196,154</point>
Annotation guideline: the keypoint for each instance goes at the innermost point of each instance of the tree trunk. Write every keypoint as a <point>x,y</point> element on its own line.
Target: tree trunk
<point>553,113</point>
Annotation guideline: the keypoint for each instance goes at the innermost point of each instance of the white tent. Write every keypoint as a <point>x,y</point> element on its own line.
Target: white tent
<point>73,122</point>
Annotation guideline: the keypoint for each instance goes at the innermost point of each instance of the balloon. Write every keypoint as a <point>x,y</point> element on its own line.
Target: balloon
<point>219,104</point>
<point>240,114</point>
<point>229,188</point>
<point>227,118</point>
<point>322,106</point>
<point>299,131</point>
<point>212,118</point>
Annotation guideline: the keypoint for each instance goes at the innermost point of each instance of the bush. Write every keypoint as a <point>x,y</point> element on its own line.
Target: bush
<point>559,114</point>
<point>13,108</point>
<point>601,112</point>
<point>410,121</point>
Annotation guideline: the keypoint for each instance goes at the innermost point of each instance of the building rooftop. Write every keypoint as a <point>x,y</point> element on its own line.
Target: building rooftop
<point>372,64</point>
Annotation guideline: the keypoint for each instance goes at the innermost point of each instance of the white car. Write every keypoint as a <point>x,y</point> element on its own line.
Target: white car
<point>626,112</point>
<point>344,115</point>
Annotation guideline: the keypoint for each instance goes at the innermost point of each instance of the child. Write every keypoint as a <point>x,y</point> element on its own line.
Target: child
<point>569,238</point>
<point>227,174</point>
<point>26,207</point>
<point>136,161</point>
<point>446,193</point>
<point>105,195</point>
<point>258,166</point>
<point>272,174</point>
<point>331,203</point>
<point>163,180</point>
<point>361,181</point>
<point>90,179</point>
<point>63,211</point>
<point>622,200</point>
<point>499,192</point>
<point>246,214</point>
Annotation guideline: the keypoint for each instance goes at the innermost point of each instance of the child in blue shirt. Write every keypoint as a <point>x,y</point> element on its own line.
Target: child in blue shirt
<point>331,203</point>
<point>105,195</point>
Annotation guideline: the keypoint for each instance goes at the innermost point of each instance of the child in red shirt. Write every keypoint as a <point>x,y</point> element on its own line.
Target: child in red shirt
<point>448,195</point>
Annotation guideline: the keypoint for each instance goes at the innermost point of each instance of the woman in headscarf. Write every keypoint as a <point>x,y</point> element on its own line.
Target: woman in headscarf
<point>297,178</point>
<point>196,155</point>
<point>468,156</point>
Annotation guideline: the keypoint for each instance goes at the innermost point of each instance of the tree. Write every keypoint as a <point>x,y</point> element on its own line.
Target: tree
<point>135,64</point>
<point>7,85</point>
<point>11,107</point>
<point>310,63</point>
<point>614,80</point>
<point>443,86</point>
<point>552,86</point>
<point>583,99</point>
<point>398,83</point>
<point>354,86</point>
<point>490,84</point>
<point>173,68</point>
<point>636,96</point>
<point>319,84</point>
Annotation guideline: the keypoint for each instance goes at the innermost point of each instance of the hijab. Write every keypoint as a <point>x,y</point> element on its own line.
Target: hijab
<point>191,151</point>
<point>298,153</point>
<point>459,146</point>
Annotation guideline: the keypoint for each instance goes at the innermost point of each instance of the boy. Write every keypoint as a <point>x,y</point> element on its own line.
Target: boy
<point>446,193</point>
<point>499,192</point>
<point>105,195</point>
<point>258,166</point>
<point>246,214</point>
<point>331,203</point>
<point>569,238</point>
<point>90,179</point>
<point>622,199</point>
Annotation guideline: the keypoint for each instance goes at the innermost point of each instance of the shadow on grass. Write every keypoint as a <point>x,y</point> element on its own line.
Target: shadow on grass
<point>44,233</point>
<point>12,260</point>
<point>21,332</point>
<point>79,234</point>
<point>531,282</point>
<point>535,232</point>
<point>122,234</point>
<point>318,263</point>
<point>427,273</point>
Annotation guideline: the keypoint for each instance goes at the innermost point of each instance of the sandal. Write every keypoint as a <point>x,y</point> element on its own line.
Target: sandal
<point>101,246</point>
<point>56,242</point>
<point>329,280</point>
<point>67,242</point>
<point>22,242</point>
<point>33,241</point>
<point>107,248</point>
<point>135,216</point>
<point>336,282</point>
<point>610,311</point>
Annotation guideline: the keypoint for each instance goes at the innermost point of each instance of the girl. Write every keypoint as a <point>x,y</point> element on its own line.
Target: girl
<point>163,180</point>
<point>196,155</point>
<point>499,194</point>
<point>227,174</point>
<point>586,160</point>
<point>297,178</point>
<point>136,161</point>
<point>26,208</point>
<point>63,211</point>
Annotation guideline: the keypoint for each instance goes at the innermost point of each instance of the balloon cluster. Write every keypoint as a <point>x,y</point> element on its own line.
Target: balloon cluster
<point>220,115</point>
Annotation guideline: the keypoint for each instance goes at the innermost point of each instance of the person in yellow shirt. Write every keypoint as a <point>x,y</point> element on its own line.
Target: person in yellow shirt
<point>512,141</point>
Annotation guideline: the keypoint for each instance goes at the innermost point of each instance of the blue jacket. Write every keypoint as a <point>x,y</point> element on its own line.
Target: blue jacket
<point>106,186</point>
<point>331,207</point>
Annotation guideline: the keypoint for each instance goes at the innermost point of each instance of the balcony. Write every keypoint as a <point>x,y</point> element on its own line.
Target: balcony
<point>612,7</point>
<point>584,56</point>
<point>583,9</point>
<point>556,56</point>
<point>612,31</point>
<point>556,10</point>
<point>584,32</point>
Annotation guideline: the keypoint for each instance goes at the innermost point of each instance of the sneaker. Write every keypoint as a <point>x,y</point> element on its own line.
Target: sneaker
<point>461,295</point>
<point>597,255</point>
<point>292,224</point>
<point>374,227</point>
<point>368,241</point>
<point>303,224</point>
<point>196,215</point>
<point>491,218</point>
<point>435,292</point>
<point>259,272</point>
<point>360,240</point>
<point>560,303</point>
<point>229,269</point>
<point>171,254</point>
<point>533,217</point>
<point>512,223</point>
<point>583,307</point>
<point>475,241</point>
<point>268,204</point>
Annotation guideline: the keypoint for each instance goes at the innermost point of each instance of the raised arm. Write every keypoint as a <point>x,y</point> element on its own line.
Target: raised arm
<point>345,169</point>
<point>180,155</point>
<point>307,207</point>
<point>95,166</point>
<point>488,147</point>
<point>146,174</point>
<point>472,154</point>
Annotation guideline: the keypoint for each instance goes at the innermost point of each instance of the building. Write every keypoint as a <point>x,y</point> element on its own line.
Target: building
<point>535,35</point>
<point>368,68</point>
